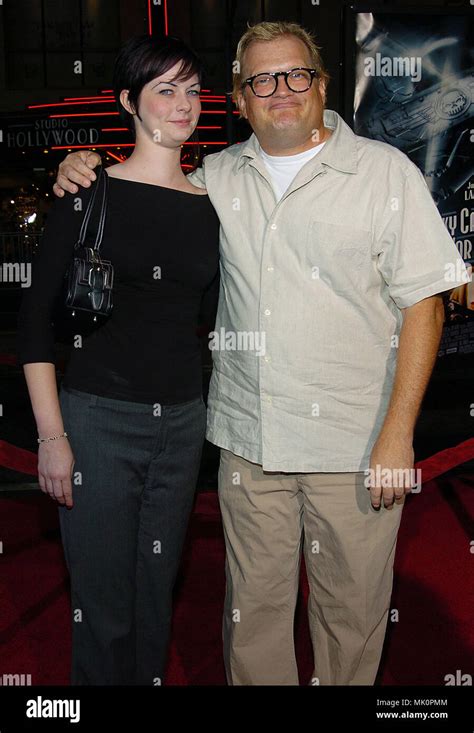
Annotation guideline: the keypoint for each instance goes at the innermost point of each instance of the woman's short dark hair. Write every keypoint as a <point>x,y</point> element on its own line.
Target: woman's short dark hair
<point>143,58</point>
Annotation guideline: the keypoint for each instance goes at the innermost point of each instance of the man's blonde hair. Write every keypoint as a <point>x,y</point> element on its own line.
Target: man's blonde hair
<point>269,31</point>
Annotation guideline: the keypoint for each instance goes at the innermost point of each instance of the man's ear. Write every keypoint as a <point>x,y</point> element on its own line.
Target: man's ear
<point>124,101</point>
<point>241,105</point>
<point>322,90</point>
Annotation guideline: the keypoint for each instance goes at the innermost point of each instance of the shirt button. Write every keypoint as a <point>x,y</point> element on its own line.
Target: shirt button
<point>273,226</point>
<point>267,358</point>
<point>267,311</point>
<point>270,269</point>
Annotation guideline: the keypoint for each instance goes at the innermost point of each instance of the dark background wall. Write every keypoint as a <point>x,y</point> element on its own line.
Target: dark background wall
<point>41,39</point>
<point>41,42</point>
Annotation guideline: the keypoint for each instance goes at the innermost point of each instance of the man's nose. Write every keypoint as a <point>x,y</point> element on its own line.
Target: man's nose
<point>282,87</point>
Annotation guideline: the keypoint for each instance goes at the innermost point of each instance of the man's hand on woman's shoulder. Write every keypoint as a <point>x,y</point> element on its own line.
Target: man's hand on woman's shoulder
<point>76,168</point>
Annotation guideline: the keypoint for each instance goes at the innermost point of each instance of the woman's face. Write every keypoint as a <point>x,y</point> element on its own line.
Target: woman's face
<point>169,108</point>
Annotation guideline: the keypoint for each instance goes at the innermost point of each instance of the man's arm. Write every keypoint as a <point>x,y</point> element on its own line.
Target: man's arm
<point>79,168</point>
<point>197,177</point>
<point>419,341</point>
<point>76,168</point>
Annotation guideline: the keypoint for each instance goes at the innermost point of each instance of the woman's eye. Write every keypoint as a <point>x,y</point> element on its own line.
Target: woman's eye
<point>195,92</point>
<point>165,91</point>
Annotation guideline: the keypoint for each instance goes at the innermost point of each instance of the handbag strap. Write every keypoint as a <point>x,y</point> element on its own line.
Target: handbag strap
<point>103,208</point>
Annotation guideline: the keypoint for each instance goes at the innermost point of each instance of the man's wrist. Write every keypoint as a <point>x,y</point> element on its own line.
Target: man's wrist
<point>396,430</point>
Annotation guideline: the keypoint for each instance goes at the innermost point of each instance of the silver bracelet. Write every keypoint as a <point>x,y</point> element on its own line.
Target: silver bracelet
<point>53,437</point>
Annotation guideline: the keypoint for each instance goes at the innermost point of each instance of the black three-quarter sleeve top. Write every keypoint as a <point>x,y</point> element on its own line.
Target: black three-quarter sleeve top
<point>163,245</point>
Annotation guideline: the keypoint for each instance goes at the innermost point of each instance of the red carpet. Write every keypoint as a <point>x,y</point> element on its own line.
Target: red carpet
<point>433,593</point>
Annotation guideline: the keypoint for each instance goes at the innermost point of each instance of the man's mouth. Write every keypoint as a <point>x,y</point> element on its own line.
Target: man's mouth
<point>283,105</point>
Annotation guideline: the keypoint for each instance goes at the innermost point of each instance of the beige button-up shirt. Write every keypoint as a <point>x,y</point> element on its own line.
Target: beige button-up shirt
<point>306,339</point>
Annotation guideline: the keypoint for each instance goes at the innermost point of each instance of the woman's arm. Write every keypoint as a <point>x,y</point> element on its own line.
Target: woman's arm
<point>209,301</point>
<point>35,342</point>
<point>55,457</point>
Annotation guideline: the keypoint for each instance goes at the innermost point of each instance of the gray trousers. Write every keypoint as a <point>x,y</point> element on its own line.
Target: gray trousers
<point>134,480</point>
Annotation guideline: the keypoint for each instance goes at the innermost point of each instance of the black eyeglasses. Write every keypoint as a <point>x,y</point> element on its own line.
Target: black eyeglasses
<point>297,80</point>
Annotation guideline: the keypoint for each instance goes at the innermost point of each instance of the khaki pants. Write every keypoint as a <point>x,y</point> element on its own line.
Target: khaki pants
<point>349,551</point>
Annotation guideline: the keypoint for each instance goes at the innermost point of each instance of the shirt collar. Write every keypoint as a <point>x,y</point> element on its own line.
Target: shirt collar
<point>339,152</point>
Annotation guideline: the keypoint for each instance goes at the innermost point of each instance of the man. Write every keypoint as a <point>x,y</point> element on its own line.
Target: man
<point>333,256</point>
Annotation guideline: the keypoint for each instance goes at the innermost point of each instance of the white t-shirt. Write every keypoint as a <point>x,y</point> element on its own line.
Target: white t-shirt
<point>283,168</point>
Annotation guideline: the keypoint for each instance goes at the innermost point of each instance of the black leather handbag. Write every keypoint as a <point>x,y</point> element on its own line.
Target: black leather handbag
<point>90,279</point>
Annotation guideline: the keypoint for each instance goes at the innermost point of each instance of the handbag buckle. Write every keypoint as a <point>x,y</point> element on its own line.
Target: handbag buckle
<point>97,278</point>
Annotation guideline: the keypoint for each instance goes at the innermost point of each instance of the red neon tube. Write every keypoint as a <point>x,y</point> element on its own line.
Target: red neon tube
<point>91,147</point>
<point>87,114</point>
<point>149,18</point>
<point>69,104</point>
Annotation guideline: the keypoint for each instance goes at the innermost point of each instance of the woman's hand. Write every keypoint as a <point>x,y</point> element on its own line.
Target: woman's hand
<point>76,168</point>
<point>55,464</point>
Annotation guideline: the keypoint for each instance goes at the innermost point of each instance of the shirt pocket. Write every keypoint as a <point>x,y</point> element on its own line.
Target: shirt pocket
<point>339,254</point>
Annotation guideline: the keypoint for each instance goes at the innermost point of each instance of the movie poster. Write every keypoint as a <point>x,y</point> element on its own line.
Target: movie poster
<point>415,90</point>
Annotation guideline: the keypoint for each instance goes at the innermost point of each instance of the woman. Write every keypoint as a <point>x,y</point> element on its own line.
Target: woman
<point>121,446</point>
